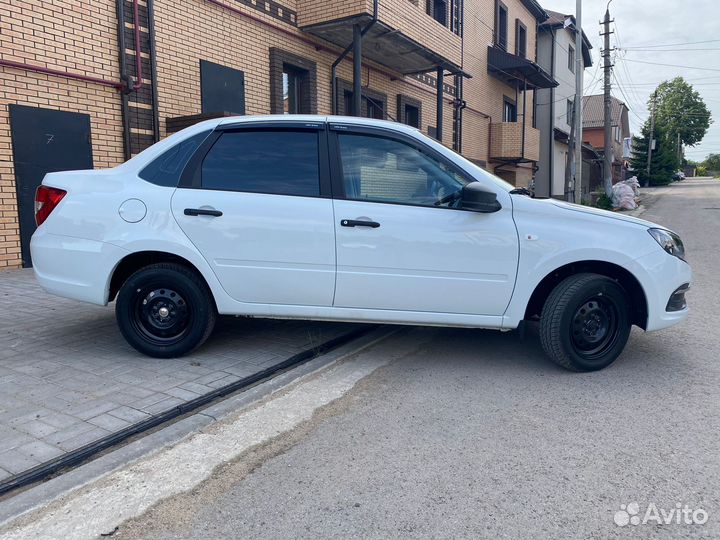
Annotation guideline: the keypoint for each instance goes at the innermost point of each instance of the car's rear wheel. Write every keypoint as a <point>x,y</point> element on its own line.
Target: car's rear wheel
<point>585,322</point>
<point>165,310</point>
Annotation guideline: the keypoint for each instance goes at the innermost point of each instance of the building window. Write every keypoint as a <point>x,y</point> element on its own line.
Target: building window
<point>409,110</point>
<point>412,116</point>
<point>294,86</point>
<point>293,83</point>
<point>520,39</point>
<point>509,110</point>
<point>437,9</point>
<point>571,59</point>
<point>570,111</point>
<point>373,104</point>
<point>373,108</point>
<point>222,89</point>
<point>501,25</point>
<point>456,16</point>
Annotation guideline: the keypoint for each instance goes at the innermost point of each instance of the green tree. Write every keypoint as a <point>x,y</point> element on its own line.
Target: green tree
<point>679,109</point>
<point>712,162</point>
<point>664,160</point>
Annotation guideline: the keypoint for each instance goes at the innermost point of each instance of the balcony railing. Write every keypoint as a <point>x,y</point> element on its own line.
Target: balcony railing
<point>506,142</point>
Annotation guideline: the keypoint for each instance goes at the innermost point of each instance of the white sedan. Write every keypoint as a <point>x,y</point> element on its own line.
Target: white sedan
<point>346,219</point>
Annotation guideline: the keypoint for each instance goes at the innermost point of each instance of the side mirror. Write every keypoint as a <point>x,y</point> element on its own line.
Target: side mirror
<point>476,198</point>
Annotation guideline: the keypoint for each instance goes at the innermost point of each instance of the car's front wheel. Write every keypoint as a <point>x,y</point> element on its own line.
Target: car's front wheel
<point>165,310</point>
<point>585,322</point>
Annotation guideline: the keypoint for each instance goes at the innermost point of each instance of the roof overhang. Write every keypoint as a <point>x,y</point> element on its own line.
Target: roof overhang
<point>512,69</point>
<point>384,45</point>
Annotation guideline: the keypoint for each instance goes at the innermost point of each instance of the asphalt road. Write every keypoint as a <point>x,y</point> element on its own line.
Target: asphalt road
<point>476,435</point>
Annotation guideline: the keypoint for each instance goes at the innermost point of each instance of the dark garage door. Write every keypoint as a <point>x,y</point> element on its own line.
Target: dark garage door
<point>44,141</point>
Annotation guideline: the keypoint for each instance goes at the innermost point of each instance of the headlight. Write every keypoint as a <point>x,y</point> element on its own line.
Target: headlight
<point>669,241</point>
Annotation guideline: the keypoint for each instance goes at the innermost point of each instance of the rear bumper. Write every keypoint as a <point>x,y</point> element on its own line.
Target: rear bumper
<point>74,267</point>
<point>666,275</point>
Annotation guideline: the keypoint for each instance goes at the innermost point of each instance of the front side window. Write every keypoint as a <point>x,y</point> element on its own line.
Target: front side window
<point>282,162</point>
<point>386,170</point>
<point>570,107</point>
<point>571,59</point>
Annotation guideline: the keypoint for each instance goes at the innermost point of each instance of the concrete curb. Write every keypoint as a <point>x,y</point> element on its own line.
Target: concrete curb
<point>44,493</point>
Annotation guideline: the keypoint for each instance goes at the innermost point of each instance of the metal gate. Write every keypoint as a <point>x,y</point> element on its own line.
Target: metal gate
<point>44,141</point>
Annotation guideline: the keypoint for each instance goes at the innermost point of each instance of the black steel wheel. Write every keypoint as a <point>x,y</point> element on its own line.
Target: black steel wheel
<point>165,310</point>
<point>585,322</point>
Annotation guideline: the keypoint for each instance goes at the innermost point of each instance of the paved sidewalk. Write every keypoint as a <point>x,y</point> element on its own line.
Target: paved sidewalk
<point>68,378</point>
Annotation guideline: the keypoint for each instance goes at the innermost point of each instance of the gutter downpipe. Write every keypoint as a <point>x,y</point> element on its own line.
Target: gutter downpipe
<point>344,54</point>
<point>522,151</point>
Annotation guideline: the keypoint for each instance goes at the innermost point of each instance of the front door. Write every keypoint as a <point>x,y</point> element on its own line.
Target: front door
<point>44,140</point>
<point>401,242</point>
<point>260,217</point>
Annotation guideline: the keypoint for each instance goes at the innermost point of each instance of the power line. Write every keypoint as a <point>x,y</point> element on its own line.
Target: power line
<point>674,44</point>
<point>664,50</point>
<point>670,65</point>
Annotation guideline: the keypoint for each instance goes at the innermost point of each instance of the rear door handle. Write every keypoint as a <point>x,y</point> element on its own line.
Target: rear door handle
<point>359,223</point>
<point>202,212</point>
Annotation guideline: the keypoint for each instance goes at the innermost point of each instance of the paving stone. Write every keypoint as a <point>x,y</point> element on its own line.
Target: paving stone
<point>77,380</point>
<point>39,450</point>
<point>16,462</point>
<point>130,414</point>
<point>109,422</point>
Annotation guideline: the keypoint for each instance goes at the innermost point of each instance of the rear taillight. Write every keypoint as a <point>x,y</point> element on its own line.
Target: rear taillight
<point>46,199</point>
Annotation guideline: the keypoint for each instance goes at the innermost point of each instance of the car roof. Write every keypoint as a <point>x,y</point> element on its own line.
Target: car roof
<point>313,118</point>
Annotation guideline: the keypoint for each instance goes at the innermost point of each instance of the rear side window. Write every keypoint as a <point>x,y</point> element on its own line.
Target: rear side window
<point>165,170</point>
<point>274,162</point>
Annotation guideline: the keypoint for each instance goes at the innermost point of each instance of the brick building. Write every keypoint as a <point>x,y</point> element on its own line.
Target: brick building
<point>88,84</point>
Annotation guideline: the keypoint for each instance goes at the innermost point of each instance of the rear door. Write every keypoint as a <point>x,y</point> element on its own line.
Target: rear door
<point>256,204</point>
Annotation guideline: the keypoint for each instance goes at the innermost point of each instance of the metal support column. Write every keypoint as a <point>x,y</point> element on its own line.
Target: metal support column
<point>357,70</point>
<point>440,84</point>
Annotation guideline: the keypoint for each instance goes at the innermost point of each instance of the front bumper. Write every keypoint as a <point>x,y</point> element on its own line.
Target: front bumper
<point>665,274</point>
<point>72,267</point>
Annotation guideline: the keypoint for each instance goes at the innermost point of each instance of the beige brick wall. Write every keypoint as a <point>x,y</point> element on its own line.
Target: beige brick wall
<point>80,36</point>
<point>319,11</point>
<point>55,34</point>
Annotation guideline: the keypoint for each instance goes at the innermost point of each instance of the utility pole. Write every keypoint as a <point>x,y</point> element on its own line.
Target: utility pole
<point>652,137</point>
<point>607,169</point>
<point>679,151</point>
<point>577,105</point>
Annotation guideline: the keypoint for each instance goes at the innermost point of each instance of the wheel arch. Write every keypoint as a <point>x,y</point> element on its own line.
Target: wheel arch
<point>133,262</point>
<point>638,297</point>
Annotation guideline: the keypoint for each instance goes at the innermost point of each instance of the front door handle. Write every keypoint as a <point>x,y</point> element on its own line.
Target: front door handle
<point>359,223</point>
<point>202,212</point>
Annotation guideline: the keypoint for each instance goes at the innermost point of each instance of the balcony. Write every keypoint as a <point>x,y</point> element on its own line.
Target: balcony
<point>405,38</point>
<point>506,142</point>
<point>517,71</point>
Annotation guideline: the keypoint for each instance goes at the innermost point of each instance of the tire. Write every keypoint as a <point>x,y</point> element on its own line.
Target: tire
<point>585,322</point>
<point>165,310</point>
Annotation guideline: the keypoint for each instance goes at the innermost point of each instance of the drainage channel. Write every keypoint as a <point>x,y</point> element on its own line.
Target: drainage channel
<point>81,455</point>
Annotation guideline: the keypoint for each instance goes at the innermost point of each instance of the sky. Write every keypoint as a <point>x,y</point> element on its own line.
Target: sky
<point>651,31</point>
